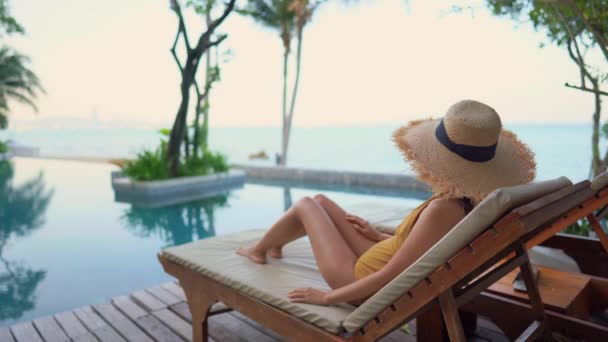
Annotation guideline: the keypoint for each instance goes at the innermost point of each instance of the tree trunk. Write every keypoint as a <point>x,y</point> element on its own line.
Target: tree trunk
<point>178,129</point>
<point>187,141</point>
<point>283,157</point>
<point>294,93</point>
<point>598,165</point>
<point>595,149</point>
<point>195,140</point>
<point>205,129</point>
<point>207,99</point>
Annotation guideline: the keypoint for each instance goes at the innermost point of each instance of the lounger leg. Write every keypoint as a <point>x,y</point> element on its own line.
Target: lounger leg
<point>538,327</point>
<point>200,329</point>
<point>451,317</point>
<point>199,305</point>
<point>599,231</point>
<point>429,325</point>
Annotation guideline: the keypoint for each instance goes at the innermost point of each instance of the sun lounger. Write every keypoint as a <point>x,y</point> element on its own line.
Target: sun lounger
<point>451,273</point>
<point>578,295</point>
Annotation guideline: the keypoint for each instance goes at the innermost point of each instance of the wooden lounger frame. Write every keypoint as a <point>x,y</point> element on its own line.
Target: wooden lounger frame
<point>501,309</point>
<point>587,210</point>
<point>450,286</point>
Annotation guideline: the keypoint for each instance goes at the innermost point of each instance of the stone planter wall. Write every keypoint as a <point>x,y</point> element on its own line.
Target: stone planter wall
<point>173,191</point>
<point>385,184</point>
<point>23,151</point>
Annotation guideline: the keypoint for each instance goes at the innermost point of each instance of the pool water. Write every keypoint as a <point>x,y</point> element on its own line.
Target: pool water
<point>65,242</point>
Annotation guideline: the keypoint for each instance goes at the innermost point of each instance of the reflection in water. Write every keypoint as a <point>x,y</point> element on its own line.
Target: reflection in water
<point>176,224</point>
<point>287,201</point>
<point>21,211</point>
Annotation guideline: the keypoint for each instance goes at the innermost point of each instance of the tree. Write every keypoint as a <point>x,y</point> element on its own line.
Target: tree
<point>287,17</point>
<point>17,82</point>
<point>188,70</point>
<point>8,24</point>
<point>579,26</point>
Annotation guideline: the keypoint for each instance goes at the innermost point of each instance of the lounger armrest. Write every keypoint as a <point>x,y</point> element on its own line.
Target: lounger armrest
<point>546,209</point>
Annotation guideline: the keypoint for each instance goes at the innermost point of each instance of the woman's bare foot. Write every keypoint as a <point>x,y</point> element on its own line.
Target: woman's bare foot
<point>276,252</point>
<point>251,253</point>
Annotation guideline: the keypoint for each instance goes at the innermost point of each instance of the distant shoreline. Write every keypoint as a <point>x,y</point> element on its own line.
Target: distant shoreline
<point>89,159</point>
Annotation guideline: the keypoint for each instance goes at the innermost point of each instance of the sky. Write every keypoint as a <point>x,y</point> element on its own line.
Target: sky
<point>364,63</point>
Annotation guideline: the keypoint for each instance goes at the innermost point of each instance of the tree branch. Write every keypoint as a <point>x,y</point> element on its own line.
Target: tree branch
<point>215,23</point>
<point>204,39</point>
<point>581,68</point>
<point>600,92</point>
<point>202,96</point>
<point>173,53</point>
<point>182,27</point>
<point>600,39</point>
<point>217,41</point>
<point>578,59</point>
<point>197,89</point>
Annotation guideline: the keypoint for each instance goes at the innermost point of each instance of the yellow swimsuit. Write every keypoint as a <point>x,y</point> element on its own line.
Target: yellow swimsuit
<point>379,254</point>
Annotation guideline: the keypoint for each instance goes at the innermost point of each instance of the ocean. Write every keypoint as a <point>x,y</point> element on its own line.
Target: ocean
<point>561,149</point>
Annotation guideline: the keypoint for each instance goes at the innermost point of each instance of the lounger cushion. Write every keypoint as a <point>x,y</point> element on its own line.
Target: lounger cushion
<point>480,218</point>
<point>270,283</point>
<point>600,181</point>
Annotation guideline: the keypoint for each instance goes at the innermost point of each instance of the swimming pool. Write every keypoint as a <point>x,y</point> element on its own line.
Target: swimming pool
<point>65,242</point>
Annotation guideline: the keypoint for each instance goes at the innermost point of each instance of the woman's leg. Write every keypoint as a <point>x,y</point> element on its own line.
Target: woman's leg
<point>286,229</point>
<point>357,242</point>
<point>293,229</point>
<point>334,256</point>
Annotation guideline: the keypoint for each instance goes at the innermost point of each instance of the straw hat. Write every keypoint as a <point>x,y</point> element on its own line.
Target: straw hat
<point>466,153</point>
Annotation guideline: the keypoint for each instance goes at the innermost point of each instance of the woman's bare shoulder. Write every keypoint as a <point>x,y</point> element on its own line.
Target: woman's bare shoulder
<point>444,206</point>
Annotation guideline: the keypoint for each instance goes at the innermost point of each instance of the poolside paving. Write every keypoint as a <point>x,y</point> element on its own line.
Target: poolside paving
<point>161,314</point>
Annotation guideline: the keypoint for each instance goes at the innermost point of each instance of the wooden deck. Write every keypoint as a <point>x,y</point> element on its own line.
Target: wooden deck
<point>161,314</point>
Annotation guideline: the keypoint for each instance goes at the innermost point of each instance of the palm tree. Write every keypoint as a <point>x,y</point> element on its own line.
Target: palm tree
<point>276,15</point>
<point>302,10</point>
<point>287,17</point>
<point>17,82</point>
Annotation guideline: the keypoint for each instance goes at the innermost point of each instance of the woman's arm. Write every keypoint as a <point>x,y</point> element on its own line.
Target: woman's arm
<point>434,222</point>
<point>365,229</point>
<point>384,236</point>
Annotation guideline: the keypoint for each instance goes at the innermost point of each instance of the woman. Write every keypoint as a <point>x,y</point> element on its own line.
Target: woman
<point>463,157</point>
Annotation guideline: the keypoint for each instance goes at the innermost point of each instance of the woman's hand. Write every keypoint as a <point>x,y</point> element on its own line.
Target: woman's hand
<point>364,228</point>
<point>309,295</point>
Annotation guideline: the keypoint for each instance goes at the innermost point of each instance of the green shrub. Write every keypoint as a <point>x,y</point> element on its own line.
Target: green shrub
<point>149,165</point>
<point>581,227</point>
<point>153,165</point>
<point>3,147</point>
<point>208,162</point>
<point>216,161</point>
